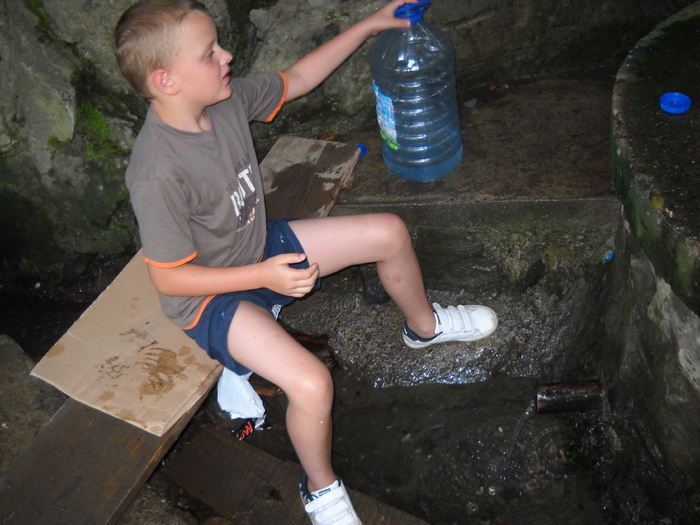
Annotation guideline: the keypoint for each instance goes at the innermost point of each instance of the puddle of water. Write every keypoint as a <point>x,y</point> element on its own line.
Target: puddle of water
<point>474,454</point>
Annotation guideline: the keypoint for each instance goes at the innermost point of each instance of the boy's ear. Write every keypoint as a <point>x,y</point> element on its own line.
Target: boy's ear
<point>162,82</point>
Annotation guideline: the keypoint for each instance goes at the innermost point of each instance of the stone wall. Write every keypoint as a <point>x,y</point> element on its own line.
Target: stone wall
<point>652,324</point>
<point>68,120</point>
<point>652,372</point>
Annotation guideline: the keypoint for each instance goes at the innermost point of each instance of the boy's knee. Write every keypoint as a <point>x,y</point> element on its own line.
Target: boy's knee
<point>315,388</point>
<point>393,221</point>
<point>395,230</point>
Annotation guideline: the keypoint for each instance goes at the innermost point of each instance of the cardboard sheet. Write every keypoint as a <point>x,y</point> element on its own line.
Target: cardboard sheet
<point>125,358</point>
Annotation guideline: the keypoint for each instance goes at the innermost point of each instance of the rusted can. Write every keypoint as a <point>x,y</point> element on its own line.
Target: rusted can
<point>569,397</point>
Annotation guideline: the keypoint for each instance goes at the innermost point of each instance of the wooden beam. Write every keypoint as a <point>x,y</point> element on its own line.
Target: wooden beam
<point>302,177</point>
<point>83,468</point>
<point>250,486</point>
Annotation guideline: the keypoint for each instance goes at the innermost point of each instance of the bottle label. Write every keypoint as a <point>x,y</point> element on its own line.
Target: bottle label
<point>386,118</point>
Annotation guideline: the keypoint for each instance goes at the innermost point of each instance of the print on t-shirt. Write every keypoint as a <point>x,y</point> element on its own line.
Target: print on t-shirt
<point>244,198</point>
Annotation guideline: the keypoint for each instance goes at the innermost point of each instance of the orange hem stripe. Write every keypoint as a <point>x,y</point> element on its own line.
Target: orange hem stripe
<point>282,100</point>
<point>199,313</point>
<point>170,264</point>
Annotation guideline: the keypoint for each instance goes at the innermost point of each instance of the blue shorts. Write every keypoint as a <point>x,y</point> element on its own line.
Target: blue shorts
<point>211,332</point>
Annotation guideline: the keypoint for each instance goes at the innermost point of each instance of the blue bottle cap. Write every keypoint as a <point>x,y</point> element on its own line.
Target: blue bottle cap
<point>674,102</point>
<point>363,149</point>
<point>412,12</point>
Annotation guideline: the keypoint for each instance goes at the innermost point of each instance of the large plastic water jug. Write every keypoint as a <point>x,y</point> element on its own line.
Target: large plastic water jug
<point>414,83</point>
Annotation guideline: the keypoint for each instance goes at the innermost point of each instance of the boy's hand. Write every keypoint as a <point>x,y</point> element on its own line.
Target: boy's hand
<point>384,18</point>
<point>283,279</point>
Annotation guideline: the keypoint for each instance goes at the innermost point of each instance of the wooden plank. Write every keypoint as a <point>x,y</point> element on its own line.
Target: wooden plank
<point>302,177</point>
<point>83,468</point>
<point>252,487</point>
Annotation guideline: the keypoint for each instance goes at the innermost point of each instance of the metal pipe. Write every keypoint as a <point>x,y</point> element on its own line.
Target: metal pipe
<point>568,397</point>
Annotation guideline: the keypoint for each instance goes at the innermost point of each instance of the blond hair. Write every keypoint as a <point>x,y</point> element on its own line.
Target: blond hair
<point>144,39</point>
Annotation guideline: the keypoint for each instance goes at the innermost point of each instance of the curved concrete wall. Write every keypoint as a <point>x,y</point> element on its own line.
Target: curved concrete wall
<point>653,368</point>
<point>655,171</point>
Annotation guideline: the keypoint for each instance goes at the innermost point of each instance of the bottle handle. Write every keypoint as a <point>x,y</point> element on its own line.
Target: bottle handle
<point>412,12</point>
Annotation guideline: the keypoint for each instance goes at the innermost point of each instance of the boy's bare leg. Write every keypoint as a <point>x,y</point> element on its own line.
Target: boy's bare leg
<point>338,242</point>
<point>258,342</point>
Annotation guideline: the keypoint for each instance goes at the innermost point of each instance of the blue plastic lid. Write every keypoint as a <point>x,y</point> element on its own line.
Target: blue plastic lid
<point>412,12</point>
<point>363,149</point>
<point>674,102</point>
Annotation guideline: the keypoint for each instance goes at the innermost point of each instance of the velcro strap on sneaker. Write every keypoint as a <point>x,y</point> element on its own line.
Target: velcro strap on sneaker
<point>328,499</point>
<point>328,518</point>
<point>453,319</point>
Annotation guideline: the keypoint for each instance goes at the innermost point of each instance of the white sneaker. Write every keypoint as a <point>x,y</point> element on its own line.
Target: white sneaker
<point>328,506</point>
<point>460,323</point>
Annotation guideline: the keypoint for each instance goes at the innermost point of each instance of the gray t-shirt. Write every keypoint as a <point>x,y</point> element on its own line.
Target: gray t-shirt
<point>198,197</point>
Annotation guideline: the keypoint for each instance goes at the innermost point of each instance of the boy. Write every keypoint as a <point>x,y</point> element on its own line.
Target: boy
<point>221,271</point>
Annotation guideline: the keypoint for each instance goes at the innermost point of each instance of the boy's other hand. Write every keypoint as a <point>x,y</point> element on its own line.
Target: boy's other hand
<point>285,280</point>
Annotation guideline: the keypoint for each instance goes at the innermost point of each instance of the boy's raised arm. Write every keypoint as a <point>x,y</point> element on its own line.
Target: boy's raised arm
<point>309,71</point>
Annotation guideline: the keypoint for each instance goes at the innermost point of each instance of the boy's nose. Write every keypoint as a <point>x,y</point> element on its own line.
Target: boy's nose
<point>226,58</point>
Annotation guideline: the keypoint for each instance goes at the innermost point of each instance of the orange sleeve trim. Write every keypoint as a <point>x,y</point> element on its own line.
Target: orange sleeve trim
<point>199,313</point>
<point>282,100</point>
<point>170,264</point>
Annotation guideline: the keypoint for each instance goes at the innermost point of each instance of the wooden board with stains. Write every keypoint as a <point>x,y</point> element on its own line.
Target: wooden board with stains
<point>302,177</point>
<point>250,486</point>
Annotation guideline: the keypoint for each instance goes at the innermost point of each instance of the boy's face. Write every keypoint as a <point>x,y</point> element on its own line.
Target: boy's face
<point>200,66</point>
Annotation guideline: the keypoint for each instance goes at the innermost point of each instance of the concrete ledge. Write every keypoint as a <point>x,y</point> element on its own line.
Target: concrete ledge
<point>655,170</point>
